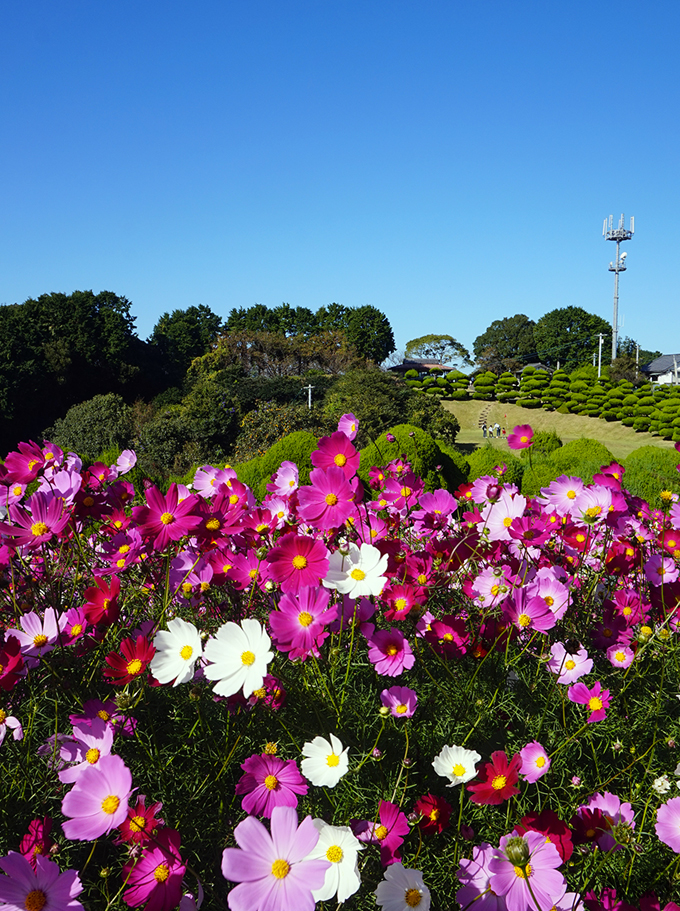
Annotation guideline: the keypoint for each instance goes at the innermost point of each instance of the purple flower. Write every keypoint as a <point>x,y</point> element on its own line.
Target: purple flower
<point>668,824</point>
<point>474,877</point>
<point>400,700</point>
<point>45,887</point>
<point>271,869</point>
<point>522,861</point>
<point>269,782</point>
<point>390,652</point>
<point>618,816</point>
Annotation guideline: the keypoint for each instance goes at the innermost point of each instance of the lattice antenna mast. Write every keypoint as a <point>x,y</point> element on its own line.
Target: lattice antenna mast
<point>609,232</point>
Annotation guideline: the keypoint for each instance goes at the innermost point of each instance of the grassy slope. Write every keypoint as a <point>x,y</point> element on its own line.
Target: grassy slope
<point>620,440</point>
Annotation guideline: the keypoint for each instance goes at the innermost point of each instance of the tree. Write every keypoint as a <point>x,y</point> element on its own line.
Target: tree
<point>441,348</point>
<point>628,346</point>
<point>370,334</point>
<point>507,343</point>
<point>570,335</point>
<point>181,336</point>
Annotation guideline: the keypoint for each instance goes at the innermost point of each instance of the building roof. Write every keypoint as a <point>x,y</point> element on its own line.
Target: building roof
<point>662,364</point>
<point>419,364</point>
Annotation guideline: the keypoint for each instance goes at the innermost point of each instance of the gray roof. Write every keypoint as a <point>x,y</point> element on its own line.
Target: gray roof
<point>662,364</point>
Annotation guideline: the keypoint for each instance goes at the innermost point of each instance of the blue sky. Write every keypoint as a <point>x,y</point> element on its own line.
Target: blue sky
<point>449,163</point>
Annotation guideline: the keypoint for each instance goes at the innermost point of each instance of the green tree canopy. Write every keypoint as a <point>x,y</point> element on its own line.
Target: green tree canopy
<point>181,336</point>
<point>442,348</point>
<point>569,335</point>
<point>507,344</point>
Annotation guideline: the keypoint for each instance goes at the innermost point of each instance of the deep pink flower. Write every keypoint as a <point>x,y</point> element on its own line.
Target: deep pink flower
<point>101,600</point>
<point>271,869</point>
<point>497,780</point>
<point>329,501</point>
<point>336,450</point>
<point>521,437</point>
<point>23,466</point>
<point>435,812</point>
<point>527,612</point>
<point>388,832</point>
<point>548,823</point>
<point>165,518</point>
<point>596,699</point>
<point>11,662</point>
<point>141,824</point>
<point>616,814</point>
<point>28,888</point>
<point>269,782</point>
<point>37,841</point>
<point>33,525</point>
<point>389,651</point>
<point>133,660</point>
<point>98,801</point>
<point>297,562</point>
<point>156,877</point>
<point>620,656</point>
<point>299,625</point>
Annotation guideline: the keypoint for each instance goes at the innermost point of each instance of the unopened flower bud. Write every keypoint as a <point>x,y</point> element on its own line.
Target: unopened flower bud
<point>376,754</point>
<point>383,710</point>
<point>517,851</point>
<point>123,701</point>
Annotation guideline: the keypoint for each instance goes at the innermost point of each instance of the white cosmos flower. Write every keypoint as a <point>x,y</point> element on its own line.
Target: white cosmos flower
<point>326,762</point>
<point>338,845</point>
<point>358,573</point>
<point>457,764</point>
<point>402,890</point>
<point>238,656</point>
<point>177,651</point>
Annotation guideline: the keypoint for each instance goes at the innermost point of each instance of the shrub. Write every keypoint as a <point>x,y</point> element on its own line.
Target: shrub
<point>271,422</point>
<point>421,450</point>
<point>165,445</point>
<point>484,459</point>
<point>580,451</point>
<point>296,447</point>
<point>649,470</point>
<point>544,442</point>
<point>100,423</point>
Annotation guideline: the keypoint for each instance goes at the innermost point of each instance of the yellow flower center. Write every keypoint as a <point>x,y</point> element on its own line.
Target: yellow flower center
<point>269,747</point>
<point>521,874</point>
<point>524,439</point>
<point>434,814</point>
<point>305,618</point>
<point>167,518</point>
<point>35,900</point>
<point>3,716</point>
<point>549,601</point>
<point>271,782</point>
<point>186,652</point>
<point>280,869</point>
<point>233,499</point>
<point>212,524</point>
<point>619,656</point>
<point>17,491</point>
<point>331,499</point>
<point>391,650</point>
<point>299,562</point>
<point>124,548</point>
<point>381,833</point>
<point>459,770</point>
<point>499,782</point>
<point>161,873</point>
<point>400,709</point>
<point>187,588</point>
<point>593,512</point>
<point>261,693</point>
<point>412,897</point>
<point>540,762</point>
<point>103,714</point>
<point>76,629</point>
<point>332,760</point>
<point>405,491</point>
<point>400,603</point>
<point>422,579</point>
<point>571,494</point>
<point>358,574</point>
<point>253,573</point>
<point>92,755</point>
<point>247,658</point>
<point>133,667</point>
<point>40,640</point>
<point>507,521</point>
<point>39,528</point>
<point>340,460</point>
<point>138,824</point>
<point>594,704</point>
<point>110,804</point>
<point>570,664</point>
<point>334,854</point>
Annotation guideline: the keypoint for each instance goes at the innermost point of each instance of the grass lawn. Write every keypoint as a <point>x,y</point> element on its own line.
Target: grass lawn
<point>620,440</point>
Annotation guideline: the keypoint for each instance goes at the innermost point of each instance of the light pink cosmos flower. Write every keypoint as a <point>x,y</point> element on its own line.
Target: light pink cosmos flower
<point>88,747</point>
<point>498,516</point>
<point>542,860</point>
<point>400,700</point>
<point>616,814</point>
<point>592,505</point>
<point>348,425</point>
<point>620,656</point>
<point>43,887</point>
<point>562,494</point>
<point>475,884</point>
<point>535,762</point>
<point>271,870</point>
<point>661,570</point>
<point>14,725</point>
<point>207,479</point>
<point>547,586</point>
<point>668,824</point>
<point>389,652</point>
<point>284,482</point>
<point>98,802</point>
<point>37,637</point>
<point>569,667</point>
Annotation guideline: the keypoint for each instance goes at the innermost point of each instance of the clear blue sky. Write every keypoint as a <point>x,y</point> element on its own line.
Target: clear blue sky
<point>450,163</point>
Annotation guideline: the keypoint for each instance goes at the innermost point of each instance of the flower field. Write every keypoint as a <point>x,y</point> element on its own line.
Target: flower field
<point>373,696</point>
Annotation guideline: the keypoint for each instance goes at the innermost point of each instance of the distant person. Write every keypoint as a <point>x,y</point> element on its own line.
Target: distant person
<point>498,429</point>
<point>484,429</point>
<point>504,431</point>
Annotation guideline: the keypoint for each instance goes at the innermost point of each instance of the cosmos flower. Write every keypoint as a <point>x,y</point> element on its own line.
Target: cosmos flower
<point>177,651</point>
<point>340,848</point>
<point>133,660</point>
<point>357,573</point>
<point>457,764</point>
<point>298,562</point>
<point>389,651</point>
<point>400,700</point>
<point>523,861</point>
<point>521,437</point>
<point>595,698</point>
<point>156,876</point>
<point>668,824</point>
<point>497,780</point>
<point>98,801</point>
<point>569,667</point>
<point>324,763</point>
<point>535,762</point>
<point>269,782</point>
<point>435,813</point>
<point>238,655</point>
<point>402,890</point>
<point>27,888</point>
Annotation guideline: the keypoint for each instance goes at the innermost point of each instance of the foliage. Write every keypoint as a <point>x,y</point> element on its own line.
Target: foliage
<point>568,335</point>
<point>93,426</point>
<point>442,348</point>
<point>485,459</point>
<point>544,442</point>
<point>649,470</point>
<point>270,422</point>
<point>297,447</point>
<point>180,336</point>
<point>435,467</point>
<point>507,343</point>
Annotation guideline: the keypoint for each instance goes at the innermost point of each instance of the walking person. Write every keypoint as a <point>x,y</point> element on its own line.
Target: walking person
<point>497,429</point>
<point>484,429</point>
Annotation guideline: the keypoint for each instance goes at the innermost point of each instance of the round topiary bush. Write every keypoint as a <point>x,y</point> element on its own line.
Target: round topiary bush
<point>432,464</point>
<point>296,447</point>
<point>483,460</point>
<point>649,470</point>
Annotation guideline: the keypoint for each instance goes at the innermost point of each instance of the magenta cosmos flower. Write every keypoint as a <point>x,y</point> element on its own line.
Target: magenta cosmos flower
<point>668,824</point>
<point>527,612</point>
<point>389,652</point>
<point>165,518</point>
<point>156,877</point>
<point>596,699</point>
<point>26,889</point>
<point>299,625</point>
<point>298,562</point>
<point>269,782</point>
<point>388,832</point>
<point>523,861</point>
<point>98,802</point>
<point>329,501</point>
<point>400,700</point>
<point>271,868</point>
<point>521,437</point>
<point>336,450</point>
<point>43,518</point>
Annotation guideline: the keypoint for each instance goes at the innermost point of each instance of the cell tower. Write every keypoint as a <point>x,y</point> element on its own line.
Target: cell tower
<point>609,232</point>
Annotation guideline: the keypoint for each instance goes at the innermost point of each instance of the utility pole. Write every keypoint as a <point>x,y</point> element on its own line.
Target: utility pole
<point>599,357</point>
<point>609,232</point>
<point>309,395</point>
<point>637,360</point>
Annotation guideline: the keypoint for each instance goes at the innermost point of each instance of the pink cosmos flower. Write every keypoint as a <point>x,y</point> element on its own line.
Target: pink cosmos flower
<point>538,861</point>
<point>37,637</point>
<point>474,876</point>
<point>668,824</point>
<point>389,652</point>
<point>37,840</point>
<point>329,501</point>
<point>596,699</point>
<point>98,802</point>
<point>11,662</point>
<point>271,869</point>
<point>101,600</point>
<point>555,593</point>
<point>400,700</point>
<point>24,887</point>
<point>661,570</point>
<point>497,780</point>
<point>336,450</point>
<point>207,479</point>
<point>535,762</point>
<point>498,516</point>
<point>284,482</point>
<point>521,437</point>
<point>14,725</point>
<point>87,748</point>
<point>297,562</point>
<point>33,525</point>
<point>620,656</point>
<point>569,667</point>
<point>388,832</point>
<point>299,625</point>
<point>615,814</point>
<point>166,518</point>
<point>562,494</point>
<point>23,466</point>
<point>348,425</point>
<point>156,876</point>
<point>269,782</point>
<point>142,824</point>
<point>528,613</point>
